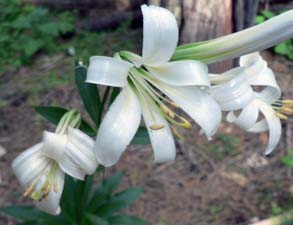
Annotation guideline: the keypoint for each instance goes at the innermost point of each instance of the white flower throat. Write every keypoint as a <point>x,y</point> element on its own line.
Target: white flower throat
<point>40,188</point>
<point>147,91</point>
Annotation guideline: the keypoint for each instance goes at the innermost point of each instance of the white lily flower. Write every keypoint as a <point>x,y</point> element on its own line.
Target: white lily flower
<point>41,168</point>
<point>145,81</point>
<point>235,91</point>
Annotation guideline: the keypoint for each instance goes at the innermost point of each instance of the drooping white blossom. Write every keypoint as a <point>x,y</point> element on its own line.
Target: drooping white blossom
<point>41,169</point>
<point>252,88</point>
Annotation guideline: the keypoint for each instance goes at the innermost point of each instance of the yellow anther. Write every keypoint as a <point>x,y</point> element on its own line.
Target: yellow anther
<point>281,116</point>
<point>45,191</point>
<point>168,111</point>
<point>185,123</point>
<point>55,187</point>
<point>287,111</point>
<point>173,104</point>
<point>288,102</point>
<point>176,133</point>
<point>30,189</point>
<point>156,127</point>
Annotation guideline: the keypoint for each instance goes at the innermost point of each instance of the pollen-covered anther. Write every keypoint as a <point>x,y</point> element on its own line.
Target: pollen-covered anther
<point>185,123</point>
<point>30,189</point>
<point>55,187</point>
<point>288,102</point>
<point>281,116</point>
<point>173,104</point>
<point>286,111</point>
<point>168,111</point>
<point>176,133</point>
<point>45,192</point>
<point>156,126</point>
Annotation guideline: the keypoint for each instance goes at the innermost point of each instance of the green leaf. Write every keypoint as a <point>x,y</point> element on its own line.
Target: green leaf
<point>259,19</point>
<point>54,114</point>
<point>32,46</point>
<point>88,93</point>
<point>24,213</point>
<point>288,160</point>
<point>51,113</point>
<point>49,28</point>
<point>53,221</point>
<point>119,201</point>
<point>104,191</point>
<point>115,93</point>
<point>281,48</point>
<point>68,200</point>
<point>94,220</point>
<point>268,14</point>
<point>126,220</point>
<point>141,137</point>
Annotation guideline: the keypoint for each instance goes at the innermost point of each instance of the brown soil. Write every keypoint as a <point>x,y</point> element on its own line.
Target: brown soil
<point>198,188</point>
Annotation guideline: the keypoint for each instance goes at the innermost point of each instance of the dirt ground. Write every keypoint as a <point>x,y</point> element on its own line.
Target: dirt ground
<point>200,187</point>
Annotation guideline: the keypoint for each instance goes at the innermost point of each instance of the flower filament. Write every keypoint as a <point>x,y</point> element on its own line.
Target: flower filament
<point>146,89</point>
<point>40,188</point>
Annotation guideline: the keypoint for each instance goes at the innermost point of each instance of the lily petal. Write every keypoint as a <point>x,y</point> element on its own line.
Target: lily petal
<point>68,164</point>
<point>161,139</point>
<point>260,126</point>
<point>30,164</point>
<point>247,118</point>
<point>182,73</point>
<point>51,203</point>
<point>81,150</point>
<point>160,35</point>
<point>259,74</point>
<point>54,145</point>
<point>201,107</point>
<point>234,94</point>
<point>108,71</point>
<point>118,127</point>
<point>274,125</point>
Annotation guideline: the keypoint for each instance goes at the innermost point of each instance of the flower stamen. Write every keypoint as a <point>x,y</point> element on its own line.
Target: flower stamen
<point>283,108</point>
<point>156,127</point>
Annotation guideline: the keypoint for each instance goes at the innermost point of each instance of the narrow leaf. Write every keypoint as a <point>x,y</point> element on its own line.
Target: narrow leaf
<point>119,201</point>
<point>88,93</point>
<point>24,213</point>
<point>114,94</point>
<point>94,220</point>
<point>126,220</point>
<point>141,137</point>
<point>104,191</point>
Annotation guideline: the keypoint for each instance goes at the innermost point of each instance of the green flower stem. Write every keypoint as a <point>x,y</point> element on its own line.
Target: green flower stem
<point>71,118</point>
<point>253,39</point>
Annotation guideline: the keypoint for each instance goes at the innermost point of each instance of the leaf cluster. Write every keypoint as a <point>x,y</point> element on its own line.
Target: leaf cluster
<point>26,29</point>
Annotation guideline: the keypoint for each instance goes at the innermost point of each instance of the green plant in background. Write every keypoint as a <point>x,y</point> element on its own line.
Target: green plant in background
<point>82,203</point>
<point>288,160</point>
<point>284,48</point>
<point>27,29</point>
<point>225,147</point>
<point>288,220</point>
